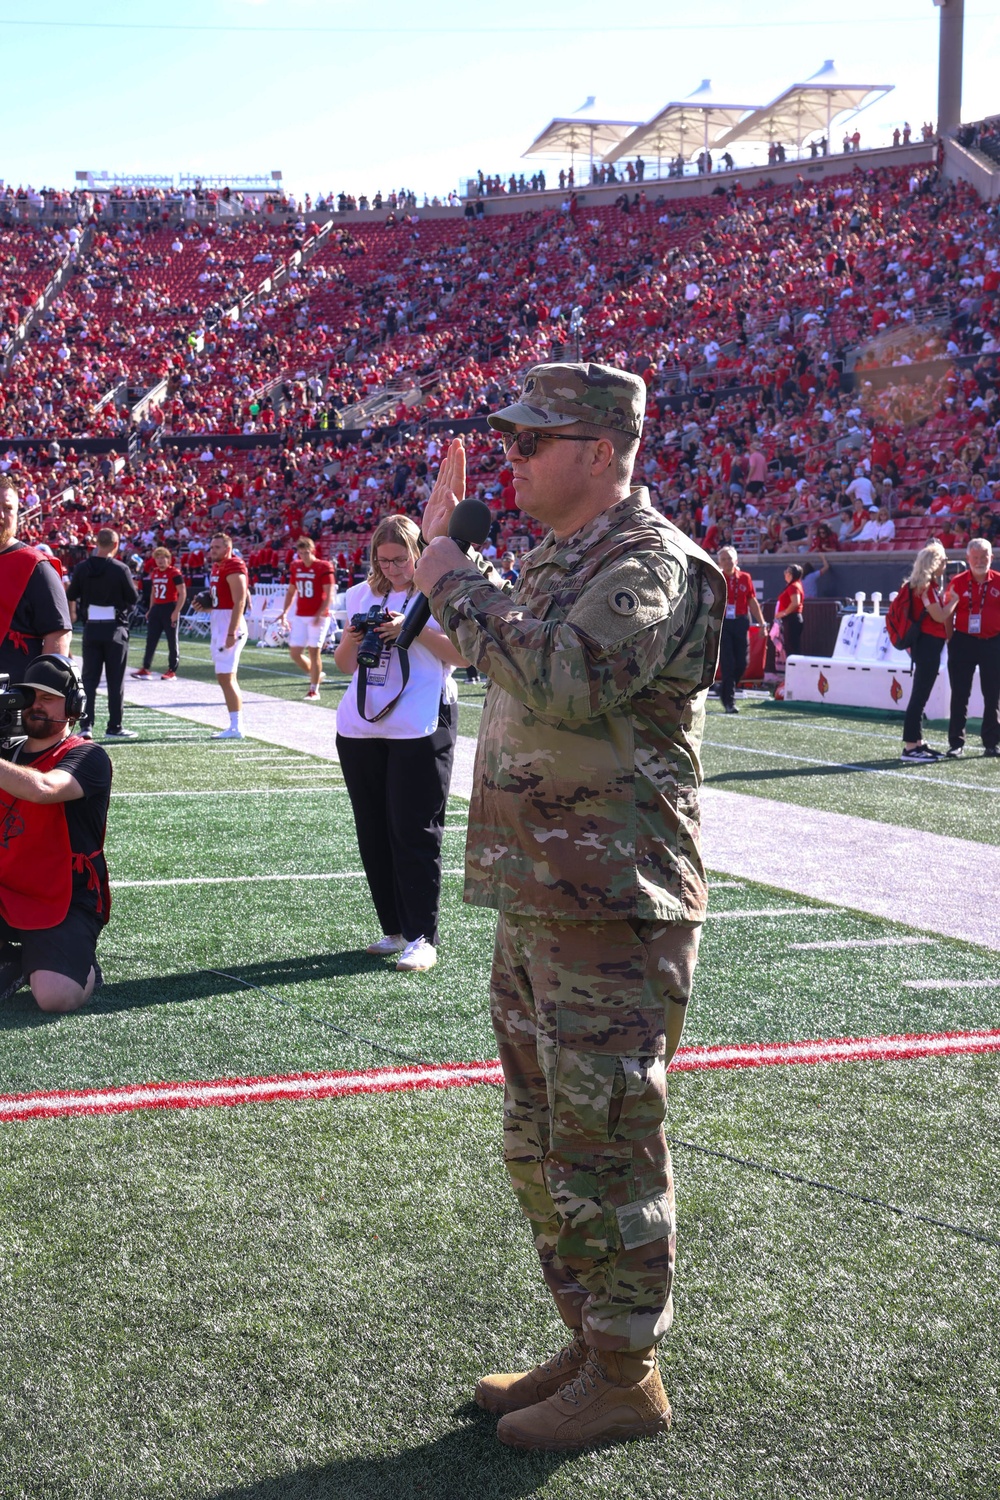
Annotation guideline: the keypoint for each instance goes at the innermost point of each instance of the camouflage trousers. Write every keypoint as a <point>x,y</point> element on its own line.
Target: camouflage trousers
<point>587,1017</point>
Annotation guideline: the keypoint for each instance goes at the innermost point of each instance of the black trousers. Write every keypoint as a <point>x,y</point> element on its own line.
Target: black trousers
<point>926,658</point>
<point>965,654</point>
<point>104,647</point>
<point>733,656</point>
<point>398,791</point>
<point>791,634</point>
<point>159,623</point>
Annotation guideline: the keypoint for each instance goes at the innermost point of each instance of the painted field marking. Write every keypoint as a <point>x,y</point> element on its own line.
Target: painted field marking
<point>887,942</point>
<point>774,911</point>
<point>218,1092</point>
<point>726,885</point>
<point>236,791</point>
<point>951,984</point>
<point>845,765</point>
<point>135,885</point>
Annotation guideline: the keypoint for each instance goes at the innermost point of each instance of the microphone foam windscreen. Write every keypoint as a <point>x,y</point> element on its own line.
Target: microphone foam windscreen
<point>470,522</point>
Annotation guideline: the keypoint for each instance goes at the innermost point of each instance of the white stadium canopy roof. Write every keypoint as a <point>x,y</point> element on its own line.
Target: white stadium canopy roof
<point>687,125</point>
<point>806,109</point>
<point>576,136</point>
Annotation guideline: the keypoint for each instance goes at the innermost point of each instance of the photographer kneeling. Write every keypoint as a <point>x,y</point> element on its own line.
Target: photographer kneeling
<point>396,731</point>
<point>54,896</point>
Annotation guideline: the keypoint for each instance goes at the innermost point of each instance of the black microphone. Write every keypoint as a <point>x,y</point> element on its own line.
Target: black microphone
<point>469,526</point>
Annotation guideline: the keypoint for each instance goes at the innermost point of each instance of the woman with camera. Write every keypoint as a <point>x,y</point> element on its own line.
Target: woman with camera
<point>396,729</point>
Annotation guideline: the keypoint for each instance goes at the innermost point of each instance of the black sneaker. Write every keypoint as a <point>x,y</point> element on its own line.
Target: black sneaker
<point>992,751</point>
<point>955,752</point>
<point>730,708</point>
<point>921,753</point>
<point>11,977</point>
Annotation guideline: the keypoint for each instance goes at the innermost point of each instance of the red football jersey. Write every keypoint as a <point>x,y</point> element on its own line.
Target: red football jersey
<point>310,579</point>
<point>165,583</point>
<point>222,597</point>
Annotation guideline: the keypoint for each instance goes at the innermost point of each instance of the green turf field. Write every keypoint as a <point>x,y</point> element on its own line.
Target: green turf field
<point>296,1299</point>
<point>850,763</point>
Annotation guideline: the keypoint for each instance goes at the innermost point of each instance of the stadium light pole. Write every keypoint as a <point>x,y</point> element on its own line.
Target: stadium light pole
<point>950,64</point>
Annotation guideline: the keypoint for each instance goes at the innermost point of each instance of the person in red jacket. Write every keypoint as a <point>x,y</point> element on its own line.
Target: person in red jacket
<point>975,596</point>
<point>54,895</point>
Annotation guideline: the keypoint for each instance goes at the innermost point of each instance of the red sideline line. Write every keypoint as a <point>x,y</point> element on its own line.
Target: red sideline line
<point>204,1094</point>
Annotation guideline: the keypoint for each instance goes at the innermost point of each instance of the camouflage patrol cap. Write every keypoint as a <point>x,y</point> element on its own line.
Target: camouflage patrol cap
<point>559,395</point>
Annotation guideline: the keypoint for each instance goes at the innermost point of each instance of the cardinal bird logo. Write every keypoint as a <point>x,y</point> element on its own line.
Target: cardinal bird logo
<point>823,685</point>
<point>896,690</point>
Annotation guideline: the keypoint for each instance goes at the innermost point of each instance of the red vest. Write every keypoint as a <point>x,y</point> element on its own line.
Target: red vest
<point>15,569</point>
<point>36,862</point>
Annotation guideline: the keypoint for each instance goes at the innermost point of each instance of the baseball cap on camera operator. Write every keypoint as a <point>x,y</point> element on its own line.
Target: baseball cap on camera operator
<point>42,697</point>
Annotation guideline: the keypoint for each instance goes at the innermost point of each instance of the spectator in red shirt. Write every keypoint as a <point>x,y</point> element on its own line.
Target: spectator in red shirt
<point>975,597</point>
<point>742,604</point>
<point>928,605</point>
<point>789,609</point>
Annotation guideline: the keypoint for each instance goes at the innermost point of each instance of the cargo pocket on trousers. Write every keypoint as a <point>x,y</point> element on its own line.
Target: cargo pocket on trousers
<point>608,1089</point>
<point>643,1223</point>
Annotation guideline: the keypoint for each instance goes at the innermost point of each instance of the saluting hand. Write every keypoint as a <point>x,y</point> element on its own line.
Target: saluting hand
<point>449,489</point>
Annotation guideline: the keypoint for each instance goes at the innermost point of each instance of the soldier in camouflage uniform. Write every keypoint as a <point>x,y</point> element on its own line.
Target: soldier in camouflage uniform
<point>583,833</point>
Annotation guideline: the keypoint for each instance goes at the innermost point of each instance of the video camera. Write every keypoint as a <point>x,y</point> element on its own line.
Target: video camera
<point>12,701</point>
<point>372,646</point>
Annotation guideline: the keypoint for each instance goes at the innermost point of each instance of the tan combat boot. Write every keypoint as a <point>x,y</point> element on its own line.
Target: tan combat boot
<point>613,1398</point>
<point>500,1393</point>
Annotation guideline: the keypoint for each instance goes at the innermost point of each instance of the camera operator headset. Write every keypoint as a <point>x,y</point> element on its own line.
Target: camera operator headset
<point>54,792</point>
<point>396,729</point>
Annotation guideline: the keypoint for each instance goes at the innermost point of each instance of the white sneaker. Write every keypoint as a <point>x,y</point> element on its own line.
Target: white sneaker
<point>418,955</point>
<point>228,734</point>
<point>313,696</point>
<point>387,944</point>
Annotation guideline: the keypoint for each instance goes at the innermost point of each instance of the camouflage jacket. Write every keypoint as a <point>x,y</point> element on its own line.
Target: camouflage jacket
<point>585,796</point>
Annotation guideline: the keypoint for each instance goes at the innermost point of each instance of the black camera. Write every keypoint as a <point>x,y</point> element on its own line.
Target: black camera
<point>372,646</point>
<point>12,701</point>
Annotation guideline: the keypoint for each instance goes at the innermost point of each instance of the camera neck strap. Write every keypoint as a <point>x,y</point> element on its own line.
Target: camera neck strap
<point>404,668</point>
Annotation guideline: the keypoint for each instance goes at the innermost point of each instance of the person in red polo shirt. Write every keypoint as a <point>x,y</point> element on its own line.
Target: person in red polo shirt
<point>742,604</point>
<point>975,643</point>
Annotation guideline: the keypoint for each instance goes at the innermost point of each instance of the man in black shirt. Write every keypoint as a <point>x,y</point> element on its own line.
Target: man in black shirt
<point>33,612</point>
<point>54,896</point>
<point>103,589</point>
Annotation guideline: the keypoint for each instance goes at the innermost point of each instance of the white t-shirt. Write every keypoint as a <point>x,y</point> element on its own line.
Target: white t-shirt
<point>416,713</point>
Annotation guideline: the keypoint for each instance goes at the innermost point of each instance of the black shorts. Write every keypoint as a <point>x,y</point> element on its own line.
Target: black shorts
<point>70,948</point>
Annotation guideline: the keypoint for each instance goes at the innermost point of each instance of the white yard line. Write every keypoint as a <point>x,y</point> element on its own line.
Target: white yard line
<point>885,942</point>
<point>146,885</point>
<point>774,911</point>
<point>951,984</point>
<point>235,791</point>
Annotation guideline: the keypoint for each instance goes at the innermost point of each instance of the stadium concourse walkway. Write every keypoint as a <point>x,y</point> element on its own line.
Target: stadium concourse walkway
<point>938,884</point>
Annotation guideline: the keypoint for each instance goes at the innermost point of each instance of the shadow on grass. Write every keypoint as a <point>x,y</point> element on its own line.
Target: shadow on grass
<point>467,1462</point>
<point>21,1012</point>
<point>798,773</point>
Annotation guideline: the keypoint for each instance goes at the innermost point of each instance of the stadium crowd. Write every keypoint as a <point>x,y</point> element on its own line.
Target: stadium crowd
<point>771,327</point>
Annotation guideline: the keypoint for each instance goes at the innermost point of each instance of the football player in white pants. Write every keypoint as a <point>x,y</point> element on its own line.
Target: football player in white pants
<point>311,586</point>
<point>230,590</point>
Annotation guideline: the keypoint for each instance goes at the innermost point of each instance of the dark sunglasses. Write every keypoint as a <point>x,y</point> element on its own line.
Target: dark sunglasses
<point>527,443</point>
